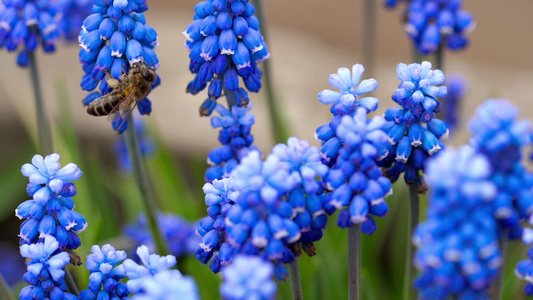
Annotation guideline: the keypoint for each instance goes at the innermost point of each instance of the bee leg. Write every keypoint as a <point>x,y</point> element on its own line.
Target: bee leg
<point>111,81</point>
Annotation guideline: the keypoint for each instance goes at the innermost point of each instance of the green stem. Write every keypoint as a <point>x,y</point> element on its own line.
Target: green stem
<point>71,284</point>
<point>5,290</point>
<point>296,282</point>
<point>414,217</point>
<point>43,123</point>
<point>145,188</point>
<point>278,122</point>
<point>439,55</point>
<point>498,295</point>
<point>369,36</point>
<point>354,261</point>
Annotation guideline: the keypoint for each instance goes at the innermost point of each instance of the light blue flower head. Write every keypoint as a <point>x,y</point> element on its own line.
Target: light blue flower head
<point>248,277</point>
<point>167,285</point>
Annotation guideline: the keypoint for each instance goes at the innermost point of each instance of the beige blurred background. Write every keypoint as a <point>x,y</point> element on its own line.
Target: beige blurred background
<point>308,40</point>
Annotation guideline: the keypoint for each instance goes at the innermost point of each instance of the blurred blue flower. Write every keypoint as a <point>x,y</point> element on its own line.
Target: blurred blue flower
<point>524,271</point>
<point>167,285</point>
<point>114,38</point>
<point>105,274</point>
<point>431,23</point>
<point>12,267</point>
<point>248,277</point>
<point>453,102</point>
<point>414,133</point>
<point>73,12</point>
<point>45,271</point>
<point>146,144</point>
<point>50,212</point>
<point>225,43</point>
<point>458,253</point>
<point>391,3</point>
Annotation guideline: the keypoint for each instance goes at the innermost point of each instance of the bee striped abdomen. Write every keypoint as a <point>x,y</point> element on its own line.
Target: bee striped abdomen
<point>104,107</point>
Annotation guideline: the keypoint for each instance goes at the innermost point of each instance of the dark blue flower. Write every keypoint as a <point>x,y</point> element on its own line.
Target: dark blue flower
<point>73,12</point>
<point>524,271</point>
<point>50,212</point>
<point>225,43</point>
<point>413,132</point>
<point>248,277</point>
<point>458,253</point>
<point>453,102</point>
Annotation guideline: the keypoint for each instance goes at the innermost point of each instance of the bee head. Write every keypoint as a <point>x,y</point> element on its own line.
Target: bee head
<point>147,73</point>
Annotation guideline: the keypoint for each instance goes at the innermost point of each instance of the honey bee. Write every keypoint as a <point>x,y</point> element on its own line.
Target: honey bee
<point>127,92</point>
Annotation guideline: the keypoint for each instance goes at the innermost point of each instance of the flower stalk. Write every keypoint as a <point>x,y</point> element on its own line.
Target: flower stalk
<point>354,261</point>
<point>5,290</point>
<point>414,217</point>
<point>43,123</point>
<point>296,282</point>
<point>69,281</point>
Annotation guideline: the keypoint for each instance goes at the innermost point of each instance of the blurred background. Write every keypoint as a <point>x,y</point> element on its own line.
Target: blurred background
<point>308,40</point>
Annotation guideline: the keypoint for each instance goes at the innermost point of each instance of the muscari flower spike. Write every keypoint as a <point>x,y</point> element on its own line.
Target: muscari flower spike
<point>73,12</point>
<point>50,212</point>
<point>114,38</point>
<point>103,263</point>
<point>248,277</point>
<point>45,271</point>
<point>458,251</point>
<point>179,234</point>
<point>167,285</point>
<point>498,134</point>
<point>344,102</point>
<point>236,139</point>
<point>225,43</point>
<point>413,132</point>
<point>431,23</point>
<point>356,181</point>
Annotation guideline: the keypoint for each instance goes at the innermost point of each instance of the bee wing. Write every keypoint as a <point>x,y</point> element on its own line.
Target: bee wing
<point>124,108</point>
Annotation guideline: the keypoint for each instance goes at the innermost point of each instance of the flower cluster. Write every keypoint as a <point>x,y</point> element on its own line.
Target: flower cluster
<point>414,133</point>
<point>114,39</point>
<point>344,102</point>
<point>248,277</point>
<point>178,232</point>
<point>235,137</point>
<point>453,102</point>
<point>27,23</point>
<point>105,274</point>
<point>45,274</point>
<point>356,181</point>
<point>73,13</point>
<point>50,212</point>
<point>225,43</point>
<point>458,251</point>
<point>431,23</point>
<point>497,134</point>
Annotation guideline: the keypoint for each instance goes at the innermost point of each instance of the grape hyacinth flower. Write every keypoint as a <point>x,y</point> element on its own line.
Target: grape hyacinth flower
<point>344,102</point>
<point>50,212</point>
<point>27,23</point>
<point>45,271</point>
<point>225,43</point>
<point>114,38</point>
<point>453,102</point>
<point>498,134</point>
<point>431,23</point>
<point>105,274</point>
<point>72,16</point>
<point>458,251</point>
<point>356,181</point>
<point>167,285</point>
<point>235,137</point>
<point>414,133</point>
<point>248,277</point>
<point>180,234</point>
<point>524,271</point>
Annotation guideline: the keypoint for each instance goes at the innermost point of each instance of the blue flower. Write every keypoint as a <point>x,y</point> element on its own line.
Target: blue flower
<point>114,39</point>
<point>151,264</point>
<point>458,253</point>
<point>414,134</point>
<point>27,23</point>
<point>105,274</point>
<point>178,232</point>
<point>453,102</point>
<point>236,139</point>
<point>344,102</point>
<point>167,285</point>
<point>225,43</point>
<point>524,271</point>
<point>391,3</point>
<point>498,134</point>
<point>355,180</point>
<point>248,277</point>
<point>50,212</point>
<point>430,23</point>
<point>73,12</point>
<point>45,271</point>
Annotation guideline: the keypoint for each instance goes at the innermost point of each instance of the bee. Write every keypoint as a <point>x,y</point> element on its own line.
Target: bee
<point>127,92</point>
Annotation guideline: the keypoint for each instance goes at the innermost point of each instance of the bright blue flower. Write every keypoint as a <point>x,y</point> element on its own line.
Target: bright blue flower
<point>105,274</point>
<point>146,144</point>
<point>430,23</point>
<point>114,38</point>
<point>414,134</point>
<point>453,102</point>
<point>236,139</point>
<point>248,277</point>
<point>498,134</point>
<point>50,212</point>
<point>167,285</point>
<point>179,234</point>
<point>45,271</point>
<point>458,253</point>
<point>151,264</point>
<point>355,180</point>
<point>524,271</point>
<point>225,43</point>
